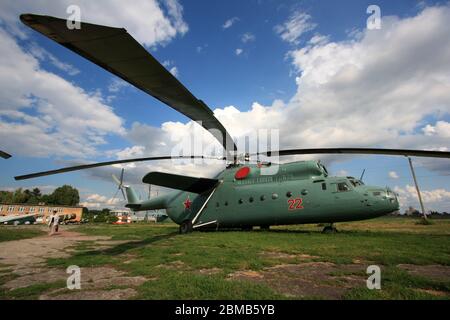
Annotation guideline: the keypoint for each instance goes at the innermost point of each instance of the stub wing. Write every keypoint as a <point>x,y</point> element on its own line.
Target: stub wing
<point>180,182</point>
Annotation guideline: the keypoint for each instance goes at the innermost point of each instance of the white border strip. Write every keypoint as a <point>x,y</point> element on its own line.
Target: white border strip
<point>204,224</point>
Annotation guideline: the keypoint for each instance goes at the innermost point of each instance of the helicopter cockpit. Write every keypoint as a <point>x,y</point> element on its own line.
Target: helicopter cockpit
<point>355,182</point>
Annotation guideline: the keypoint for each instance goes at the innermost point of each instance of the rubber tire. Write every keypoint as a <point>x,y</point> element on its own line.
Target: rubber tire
<point>186,227</point>
<point>329,230</point>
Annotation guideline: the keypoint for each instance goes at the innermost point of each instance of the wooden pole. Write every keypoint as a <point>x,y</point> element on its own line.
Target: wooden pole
<point>417,188</point>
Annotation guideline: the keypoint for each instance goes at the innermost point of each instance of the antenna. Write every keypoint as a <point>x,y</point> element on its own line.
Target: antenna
<point>362,175</point>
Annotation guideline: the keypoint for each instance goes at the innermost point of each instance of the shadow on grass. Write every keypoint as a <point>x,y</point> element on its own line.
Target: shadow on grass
<point>124,247</point>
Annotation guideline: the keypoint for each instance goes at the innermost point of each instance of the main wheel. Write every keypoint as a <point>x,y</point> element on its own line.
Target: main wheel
<point>329,229</point>
<point>186,227</point>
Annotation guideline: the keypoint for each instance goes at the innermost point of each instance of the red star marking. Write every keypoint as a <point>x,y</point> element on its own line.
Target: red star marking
<point>187,203</point>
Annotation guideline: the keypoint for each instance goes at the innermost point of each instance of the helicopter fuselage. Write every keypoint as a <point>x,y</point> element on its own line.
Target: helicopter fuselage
<point>299,192</point>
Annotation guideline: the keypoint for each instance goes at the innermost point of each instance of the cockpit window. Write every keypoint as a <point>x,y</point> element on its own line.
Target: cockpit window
<point>356,182</point>
<point>342,186</point>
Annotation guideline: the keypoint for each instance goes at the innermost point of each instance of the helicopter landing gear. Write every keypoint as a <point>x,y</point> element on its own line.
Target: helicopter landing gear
<point>329,229</point>
<point>186,227</point>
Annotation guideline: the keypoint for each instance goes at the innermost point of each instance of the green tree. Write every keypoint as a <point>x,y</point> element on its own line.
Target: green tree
<point>19,196</point>
<point>36,193</point>
<point>6,196</point>
<point>65,195</point>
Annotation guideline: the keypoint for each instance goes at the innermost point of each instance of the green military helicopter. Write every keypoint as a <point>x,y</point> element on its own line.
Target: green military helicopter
<point>240,196</point>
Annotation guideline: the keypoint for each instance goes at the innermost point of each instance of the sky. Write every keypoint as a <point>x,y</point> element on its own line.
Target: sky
<point>312,70</point>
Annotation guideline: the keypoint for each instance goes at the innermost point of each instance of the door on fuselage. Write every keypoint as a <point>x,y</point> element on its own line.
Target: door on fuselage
<point>346,200</point>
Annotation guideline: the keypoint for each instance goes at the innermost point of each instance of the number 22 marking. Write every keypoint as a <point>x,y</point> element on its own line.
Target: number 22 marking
<point>295,204</point>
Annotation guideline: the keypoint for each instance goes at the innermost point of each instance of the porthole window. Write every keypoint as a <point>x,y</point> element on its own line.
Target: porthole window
<point>241,201</point>
<point>274,196</point>
<point>263,197</point>
<point>250,199</point>
<point>226,203</point>
<point>289,194</point>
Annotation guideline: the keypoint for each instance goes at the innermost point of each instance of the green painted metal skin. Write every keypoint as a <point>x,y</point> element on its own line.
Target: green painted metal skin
<point>300,192</point>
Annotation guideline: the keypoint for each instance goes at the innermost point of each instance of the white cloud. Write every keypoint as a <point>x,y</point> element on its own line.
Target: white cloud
<point>248,37</point>
<point>149,22</point>
<point>230,22</point>
<point>376,90</point>
<point>296,25</point>
<point>44,55</point>
<point>437,199</point>
<point>174,71</point>
<point>201,48</point>
<point>97,201</point>
<point>393,175</point>
<point>169,64</point>
<point>238,51</point>
<point>116,85</point>
<point>442,129</point>
<point>131,152</point>
<point>342,173</point>
<point>67,120</point>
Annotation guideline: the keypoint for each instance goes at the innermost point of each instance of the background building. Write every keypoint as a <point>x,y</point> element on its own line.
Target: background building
<point>67,213</point>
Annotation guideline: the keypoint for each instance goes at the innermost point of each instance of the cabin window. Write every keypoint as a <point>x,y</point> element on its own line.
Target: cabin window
<point>241,201</point>
<point>263,197</point>
<point>324,186</point>
<point>289,194</point>
<point>226,203</point>
<point>274,196</point>
<point>250,199</point>
<point>342,187</point>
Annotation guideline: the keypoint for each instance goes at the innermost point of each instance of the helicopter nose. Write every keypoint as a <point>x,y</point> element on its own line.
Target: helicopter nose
<point>381,200</point>
<point>392,198</point>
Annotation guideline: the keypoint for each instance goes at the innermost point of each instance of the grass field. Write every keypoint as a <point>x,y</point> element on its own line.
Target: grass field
<point>292,262</point>
<point>19,232</point>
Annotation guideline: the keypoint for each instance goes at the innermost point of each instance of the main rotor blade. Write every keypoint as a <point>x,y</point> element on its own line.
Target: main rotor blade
<point>4,155</point>
<point>107,163</point>
<point>390,152</point>
<point>115,50</point>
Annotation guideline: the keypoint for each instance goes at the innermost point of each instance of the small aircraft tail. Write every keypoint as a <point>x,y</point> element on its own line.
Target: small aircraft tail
<point>133,201</point>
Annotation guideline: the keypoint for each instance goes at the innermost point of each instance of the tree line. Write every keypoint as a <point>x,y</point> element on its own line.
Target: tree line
<point>64,196</point>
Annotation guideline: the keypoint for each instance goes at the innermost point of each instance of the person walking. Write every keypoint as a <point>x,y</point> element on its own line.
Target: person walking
<point>53,223</point>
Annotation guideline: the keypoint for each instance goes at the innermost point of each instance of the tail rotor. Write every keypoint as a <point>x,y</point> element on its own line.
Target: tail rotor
<point>120,185</point>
